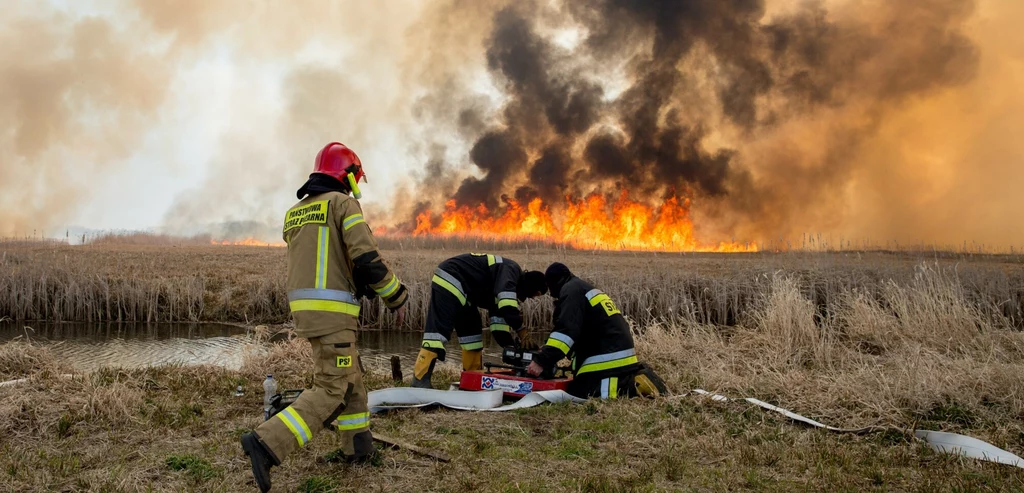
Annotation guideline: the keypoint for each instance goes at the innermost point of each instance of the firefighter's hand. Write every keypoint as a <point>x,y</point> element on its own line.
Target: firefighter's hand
<point>534,370</point>
<point>400,315</point>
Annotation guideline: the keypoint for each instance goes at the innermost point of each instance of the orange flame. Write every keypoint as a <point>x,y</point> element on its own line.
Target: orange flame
<point>587,224</point>
<point>247,242</point>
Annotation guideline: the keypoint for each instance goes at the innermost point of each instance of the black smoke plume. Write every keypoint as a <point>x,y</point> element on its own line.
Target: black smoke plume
<point>666,97</point>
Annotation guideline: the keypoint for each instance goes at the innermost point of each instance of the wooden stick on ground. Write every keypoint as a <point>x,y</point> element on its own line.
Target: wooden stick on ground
<point>395,444</point>
<point>396,368</point>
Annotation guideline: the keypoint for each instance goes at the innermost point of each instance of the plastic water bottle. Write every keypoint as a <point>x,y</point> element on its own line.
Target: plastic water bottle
<point>269,390</point>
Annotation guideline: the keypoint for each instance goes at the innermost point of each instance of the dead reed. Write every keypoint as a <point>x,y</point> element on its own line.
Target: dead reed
<point>176,428</point>
<point>117,282</point>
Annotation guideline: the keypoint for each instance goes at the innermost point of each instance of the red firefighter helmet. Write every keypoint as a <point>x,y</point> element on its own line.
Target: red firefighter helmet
<point>338,161</point>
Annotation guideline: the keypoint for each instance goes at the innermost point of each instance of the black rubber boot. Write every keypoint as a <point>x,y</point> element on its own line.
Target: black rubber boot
<point>262,459</point>
<point>364,447</point>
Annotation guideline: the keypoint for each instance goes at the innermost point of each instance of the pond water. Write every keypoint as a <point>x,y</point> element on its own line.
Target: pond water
<point>87,347</point>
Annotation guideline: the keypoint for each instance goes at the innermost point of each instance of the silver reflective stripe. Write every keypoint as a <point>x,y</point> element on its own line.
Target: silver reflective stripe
<point>351,220</point>
<point>498,320</point>
<point>592,293</point>
<point>601,358</point>
<point>450,278</point>
<point>321,294</point>
<point>353,421</point>
<point>558,336</point>
<point>469,339</point>
<point>506,295</point>
<point>434,336</point>
<point>498,259</point>
<point>288,414</point>
<point>604,387</point>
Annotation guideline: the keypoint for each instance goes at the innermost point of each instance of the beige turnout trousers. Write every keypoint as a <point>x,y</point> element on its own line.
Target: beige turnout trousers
<point>336,401</point>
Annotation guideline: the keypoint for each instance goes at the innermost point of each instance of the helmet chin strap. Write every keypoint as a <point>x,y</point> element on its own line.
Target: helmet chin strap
<point>354,186</point>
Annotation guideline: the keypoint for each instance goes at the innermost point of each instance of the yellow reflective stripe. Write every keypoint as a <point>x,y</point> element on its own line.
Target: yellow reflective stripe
<point>472,346</point>
<point>504,303</point>
<point>607,365</point>
<point>433,344</point>
<point>389,288</point>
<point>352,220</point>
<point>353,421</point>
<point>599,298</point>
<point>447,285</point>
<point>555,343</point>
<point>500,328</point>
<point>490,260</point>
<point>296,425</point>
<point>324,306</point>
<point>323,236</point>
<point>613,387</point>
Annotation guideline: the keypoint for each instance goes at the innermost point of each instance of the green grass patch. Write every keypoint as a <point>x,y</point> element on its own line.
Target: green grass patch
<point>952,412</point>
<point>319,484</point>
<point>198,468</point>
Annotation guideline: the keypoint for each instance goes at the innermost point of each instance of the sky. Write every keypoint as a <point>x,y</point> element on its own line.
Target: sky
<point>221,100</point>
<point>177,116</point>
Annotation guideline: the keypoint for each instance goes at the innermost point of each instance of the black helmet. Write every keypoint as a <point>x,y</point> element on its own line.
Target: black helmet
<point>556,276</point>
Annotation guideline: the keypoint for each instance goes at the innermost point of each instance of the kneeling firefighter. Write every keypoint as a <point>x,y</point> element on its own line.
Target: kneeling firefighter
<point>332,262</point>
<point>462,284</point>
<point>590,329</point>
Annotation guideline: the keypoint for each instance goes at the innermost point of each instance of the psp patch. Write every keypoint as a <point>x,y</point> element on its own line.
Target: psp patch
<point>344,362</point>
<point>513,386</point>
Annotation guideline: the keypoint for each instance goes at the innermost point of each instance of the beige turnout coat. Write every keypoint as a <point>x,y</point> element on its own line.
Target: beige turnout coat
<point>332,260</point>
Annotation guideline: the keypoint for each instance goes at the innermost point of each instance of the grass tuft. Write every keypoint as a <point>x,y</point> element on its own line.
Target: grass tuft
<point>319,484</point>
<point>196,467</point>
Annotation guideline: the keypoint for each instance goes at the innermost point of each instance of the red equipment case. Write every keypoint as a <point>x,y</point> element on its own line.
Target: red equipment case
<point>510,384</point>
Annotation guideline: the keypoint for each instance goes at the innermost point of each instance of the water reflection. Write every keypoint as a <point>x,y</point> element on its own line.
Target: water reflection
<point>86,347</point>
<point>109,331</point>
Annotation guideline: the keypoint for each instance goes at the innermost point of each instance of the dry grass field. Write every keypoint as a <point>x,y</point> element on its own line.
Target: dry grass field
<point>901,340</point>
<point>176,429</point>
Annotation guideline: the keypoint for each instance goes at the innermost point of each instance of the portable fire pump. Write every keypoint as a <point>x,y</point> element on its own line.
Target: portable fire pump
<point>510,376</point>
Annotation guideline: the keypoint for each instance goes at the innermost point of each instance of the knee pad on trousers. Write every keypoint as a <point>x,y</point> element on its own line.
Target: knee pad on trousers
<point>329,422</point>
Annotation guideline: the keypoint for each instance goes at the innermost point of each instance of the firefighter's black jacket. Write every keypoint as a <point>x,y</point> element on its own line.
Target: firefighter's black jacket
<point>489,282</point>
<point>590,329</point>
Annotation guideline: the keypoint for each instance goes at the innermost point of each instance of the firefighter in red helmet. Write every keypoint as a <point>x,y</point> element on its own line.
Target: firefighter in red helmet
<point>333,262</point>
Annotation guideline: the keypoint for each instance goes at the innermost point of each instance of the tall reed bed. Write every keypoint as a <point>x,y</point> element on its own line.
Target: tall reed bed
<point>95,283</point>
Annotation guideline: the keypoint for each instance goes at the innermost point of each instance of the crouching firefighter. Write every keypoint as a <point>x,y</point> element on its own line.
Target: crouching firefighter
<point>460,286</point>
<point>332,262</point>
<point>590,329</point>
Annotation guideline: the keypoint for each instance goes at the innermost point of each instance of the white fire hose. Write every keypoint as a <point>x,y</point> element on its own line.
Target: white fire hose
<point>407,397</point>
<point>490,400</point>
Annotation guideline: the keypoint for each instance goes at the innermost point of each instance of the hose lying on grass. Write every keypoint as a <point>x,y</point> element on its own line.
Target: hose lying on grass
<point>940,441</point>
<point>407,397</point>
